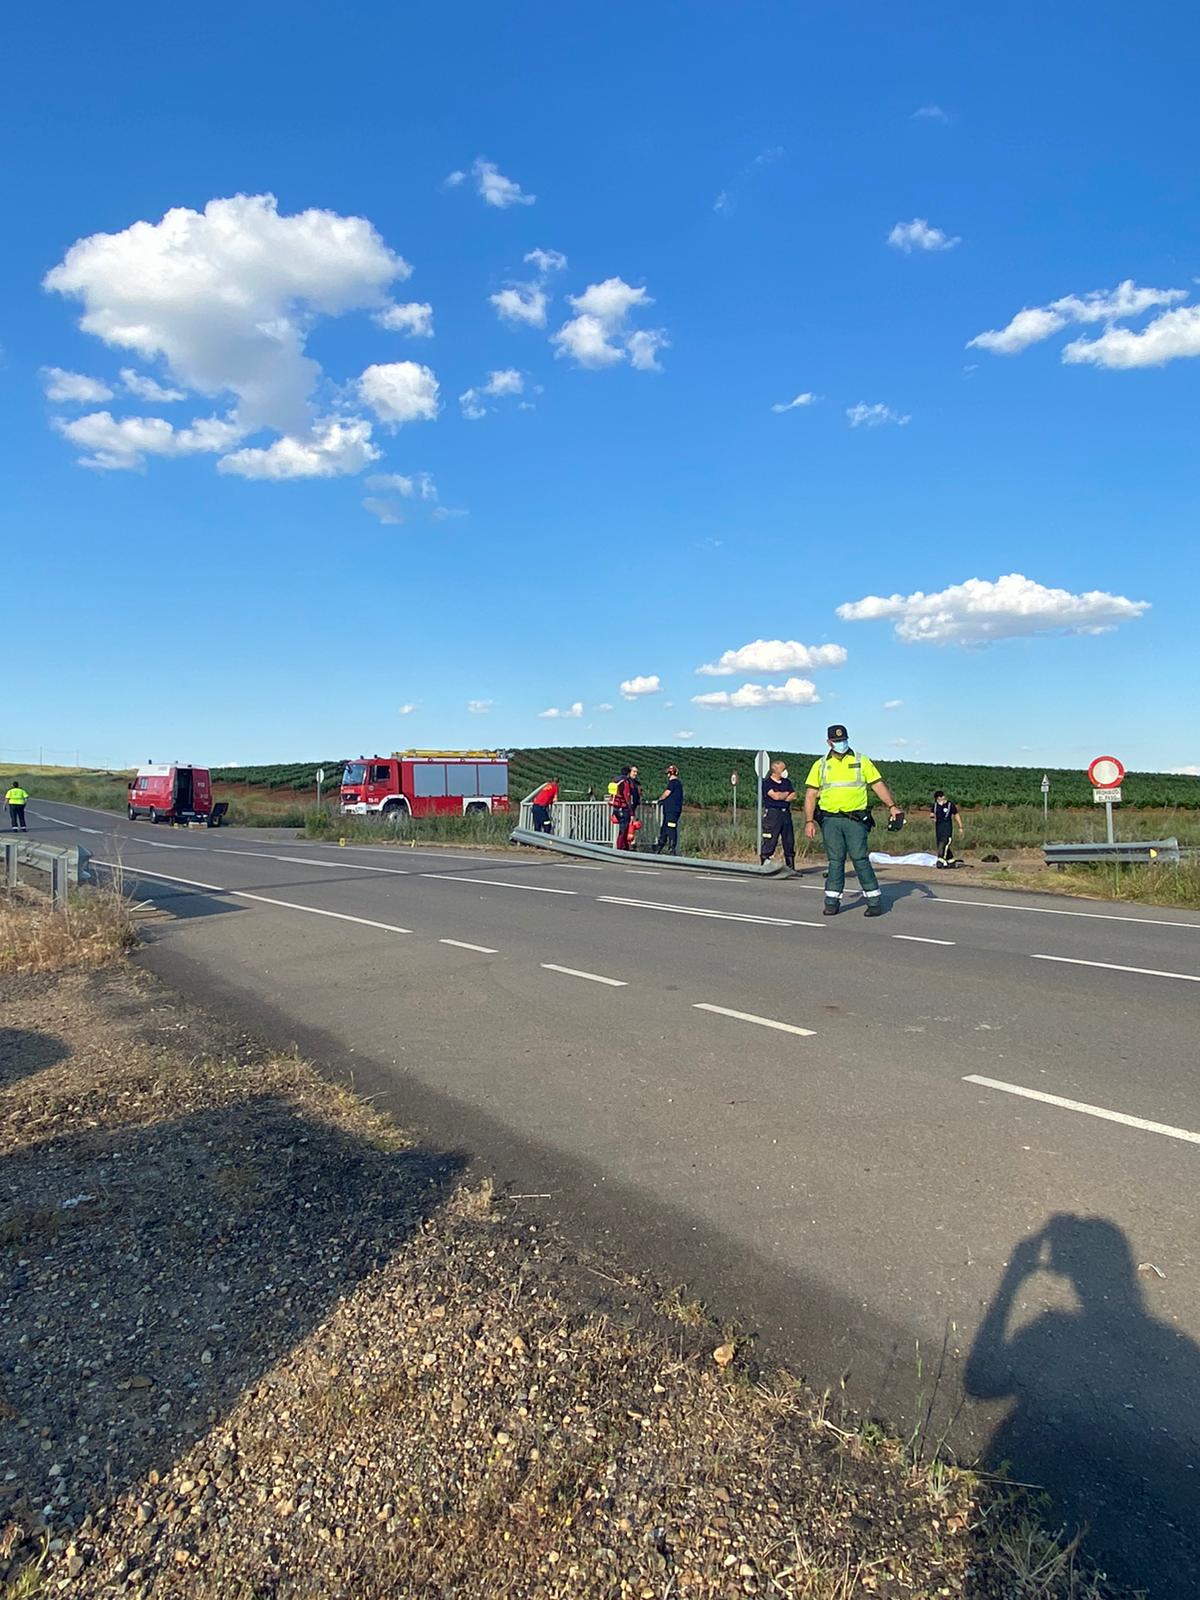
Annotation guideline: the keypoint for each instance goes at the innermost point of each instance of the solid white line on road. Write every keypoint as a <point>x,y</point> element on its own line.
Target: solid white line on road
<point>82,829</point>
<point>461,944</point>
<point>1113,966</point>
<point>59,822</point>
<point>915,938</point>
<point>348,866</point>
<point>1090,1111</point>
<point>497,883</point>
<point>748,1016</point>
<point>592,977</point>
<point>644,872</point>
<point>1053,911</point>
<point>704,911</point>
<point>244,894</point>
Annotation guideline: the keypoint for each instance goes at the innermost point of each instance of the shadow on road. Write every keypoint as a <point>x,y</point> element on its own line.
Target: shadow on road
<point>22,1053</point>
<point>1105,1412</point>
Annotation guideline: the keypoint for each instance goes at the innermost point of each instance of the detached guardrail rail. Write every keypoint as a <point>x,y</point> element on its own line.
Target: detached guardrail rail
<point>64,865</point>
<point>1131,850</point>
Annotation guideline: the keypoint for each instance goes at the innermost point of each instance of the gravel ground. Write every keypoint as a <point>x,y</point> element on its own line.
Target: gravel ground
<point>261,1343</point>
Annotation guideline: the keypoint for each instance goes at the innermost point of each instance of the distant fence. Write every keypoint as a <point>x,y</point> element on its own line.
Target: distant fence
<point>45,865</point>
<point>590,821</point>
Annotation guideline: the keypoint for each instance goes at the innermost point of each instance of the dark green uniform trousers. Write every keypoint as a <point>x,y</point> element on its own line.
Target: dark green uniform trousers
<point>847,836</point>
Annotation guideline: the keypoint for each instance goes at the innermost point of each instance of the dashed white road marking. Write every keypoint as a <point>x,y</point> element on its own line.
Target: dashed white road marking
<point>244,894</point>
<point>915,938</point>
<point>592,977</point>
<point>749,1016</point>
<point>1114,966</point>
<point>1090,1111</point>
<point>704,911</point>
<point>497,883</point>
<point>313,861</point>
<point>461,944</point>
<point>59,822</point>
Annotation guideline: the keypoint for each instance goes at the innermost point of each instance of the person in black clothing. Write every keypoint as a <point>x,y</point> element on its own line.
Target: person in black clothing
<point>945,814</point>
<point>778,792</point>
<point>671,800</point>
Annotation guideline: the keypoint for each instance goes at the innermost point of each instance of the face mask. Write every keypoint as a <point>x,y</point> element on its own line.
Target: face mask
<point>841,746</point>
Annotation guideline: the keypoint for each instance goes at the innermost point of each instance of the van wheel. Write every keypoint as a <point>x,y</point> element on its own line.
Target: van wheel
<point>132,814</point>
<point>153,814</point>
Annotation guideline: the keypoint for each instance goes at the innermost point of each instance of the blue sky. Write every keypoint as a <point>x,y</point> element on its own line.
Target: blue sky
<point>755,202</point>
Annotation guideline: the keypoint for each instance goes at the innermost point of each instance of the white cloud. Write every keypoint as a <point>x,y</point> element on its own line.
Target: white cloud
<point>575,709</point>
<point>506,382</point>
<point>447,513</point>
<point>227,297</point>
<point>723,202</point>
<point>685,733</point>
<point>114,445</point>
<point>597,336</point>
<point>480,708</point>
<point>496,189</point>
<point>137,383</point>
<point>335,448</point>
<point>399,392</point>
<point>415,319</point>
<point>405,710</point>
<point>1185,772</point>
<point>918,235</point>
<point>1169,337</point>
<point>546,261</point>
<point>74,388</point>
<point>387,511</point>
<point>635,688</point>
<point>805,399</point>
<point>774,655</point>
<point>979,611</point>
<point>754,696</point>
<point>865,416</point>
<point>901,744</point>
<point>1035,323</point>
<point>892,705</point>
<point>521,303</point>
<point>604,706</point>
<point>452,180</point>
<point>930,114</point>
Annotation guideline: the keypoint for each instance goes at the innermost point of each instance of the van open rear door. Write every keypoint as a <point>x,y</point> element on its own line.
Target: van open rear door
<point>201,791</point>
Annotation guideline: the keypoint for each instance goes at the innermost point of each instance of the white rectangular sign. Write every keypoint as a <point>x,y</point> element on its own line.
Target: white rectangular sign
<point>1112,796</point>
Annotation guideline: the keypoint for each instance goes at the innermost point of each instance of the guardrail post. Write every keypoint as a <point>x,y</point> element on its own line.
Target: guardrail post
<point>10,864</point>
<point>59,882</point>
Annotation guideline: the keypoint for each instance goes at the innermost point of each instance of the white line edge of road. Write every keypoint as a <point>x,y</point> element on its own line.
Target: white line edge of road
<point>1091,1111</point>
<point>244,894</point>
<point>592,977</point>
<point>496,883</point>
<point>749,1016</point>
<point>461,944</point>
<point>1115,966</point>
<point>916,938</point>
<point>705,911</point>
<point>1055,911</point>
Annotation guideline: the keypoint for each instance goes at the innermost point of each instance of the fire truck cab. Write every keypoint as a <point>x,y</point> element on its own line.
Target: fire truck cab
<point>426,783</point>
<point>170,793</point>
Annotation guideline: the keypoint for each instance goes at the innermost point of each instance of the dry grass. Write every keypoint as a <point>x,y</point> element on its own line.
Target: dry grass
<point>95,928</point>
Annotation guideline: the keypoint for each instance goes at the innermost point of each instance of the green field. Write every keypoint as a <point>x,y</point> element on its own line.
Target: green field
<point>705,771</point>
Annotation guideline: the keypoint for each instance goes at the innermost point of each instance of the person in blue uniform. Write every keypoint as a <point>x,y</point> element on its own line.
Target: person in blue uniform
<point>778,792</point>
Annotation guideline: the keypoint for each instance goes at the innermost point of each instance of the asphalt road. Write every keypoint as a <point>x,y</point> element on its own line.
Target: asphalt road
<point>947,1158</point>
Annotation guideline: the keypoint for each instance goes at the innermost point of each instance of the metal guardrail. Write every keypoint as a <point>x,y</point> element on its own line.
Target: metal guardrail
<point>590,821</point>
<point>1130,850</point>
<point>64,865</point>
<point>603,852</point>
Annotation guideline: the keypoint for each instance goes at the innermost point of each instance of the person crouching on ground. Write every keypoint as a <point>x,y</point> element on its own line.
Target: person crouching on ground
<point>836,791</point>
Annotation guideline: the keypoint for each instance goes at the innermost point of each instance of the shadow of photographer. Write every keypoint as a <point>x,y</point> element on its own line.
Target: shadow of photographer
<point>1105,1413</point>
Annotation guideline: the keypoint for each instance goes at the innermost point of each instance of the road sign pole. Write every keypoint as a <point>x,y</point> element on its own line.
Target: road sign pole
<point>762,765</point>
<point>1108,805</point>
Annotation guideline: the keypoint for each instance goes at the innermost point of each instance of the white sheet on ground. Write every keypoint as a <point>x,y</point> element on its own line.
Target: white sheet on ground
<point>917,858</point>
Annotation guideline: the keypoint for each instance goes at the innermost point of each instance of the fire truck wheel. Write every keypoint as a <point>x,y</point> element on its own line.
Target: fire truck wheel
<point>395,813</point>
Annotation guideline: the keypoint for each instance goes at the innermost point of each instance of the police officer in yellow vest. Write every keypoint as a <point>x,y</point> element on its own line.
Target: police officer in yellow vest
<point>837,795</point>
<point>15,799</point>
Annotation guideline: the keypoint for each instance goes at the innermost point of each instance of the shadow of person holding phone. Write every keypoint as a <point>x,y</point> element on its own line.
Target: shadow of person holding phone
<point>1105,1413</point>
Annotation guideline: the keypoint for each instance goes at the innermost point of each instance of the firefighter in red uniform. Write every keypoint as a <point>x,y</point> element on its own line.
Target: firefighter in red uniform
<point>624,803</point>
<point>541,802</point>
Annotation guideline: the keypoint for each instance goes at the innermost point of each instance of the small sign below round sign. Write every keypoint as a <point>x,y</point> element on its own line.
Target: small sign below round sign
<point>1106,772</point>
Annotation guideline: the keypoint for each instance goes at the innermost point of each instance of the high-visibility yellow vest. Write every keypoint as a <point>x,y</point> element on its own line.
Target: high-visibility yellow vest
<point>842,781</point>
<point>16,797</point>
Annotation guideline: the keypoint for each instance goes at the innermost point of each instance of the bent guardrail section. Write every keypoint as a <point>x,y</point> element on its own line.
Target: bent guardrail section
<point>605,852</point>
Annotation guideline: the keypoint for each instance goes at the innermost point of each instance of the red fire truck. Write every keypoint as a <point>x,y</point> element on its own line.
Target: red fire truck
<point>170,793</point>
<point>426,783</point>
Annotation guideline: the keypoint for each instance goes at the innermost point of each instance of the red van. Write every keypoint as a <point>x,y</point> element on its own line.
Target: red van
<point>174,794</point>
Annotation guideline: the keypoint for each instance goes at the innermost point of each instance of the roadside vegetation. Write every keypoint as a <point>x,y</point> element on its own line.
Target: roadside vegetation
<point>321,1358</point>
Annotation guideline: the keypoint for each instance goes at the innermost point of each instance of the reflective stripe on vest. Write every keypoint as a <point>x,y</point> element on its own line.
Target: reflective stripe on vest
<point>857,783</point>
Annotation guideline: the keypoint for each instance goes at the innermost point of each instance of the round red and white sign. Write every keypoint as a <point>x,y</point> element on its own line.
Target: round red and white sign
<point>1106,772</point>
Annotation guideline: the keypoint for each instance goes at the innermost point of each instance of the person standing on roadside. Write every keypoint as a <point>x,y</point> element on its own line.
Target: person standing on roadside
<point>836,792</point>
<point>622,807</point>
<point>778,792</point>
<point>671,801</point>
<point>15,799</point>
<point>541,803</point>
<point>945,814</point>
